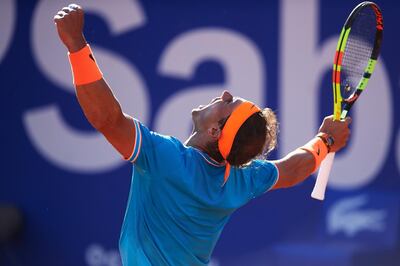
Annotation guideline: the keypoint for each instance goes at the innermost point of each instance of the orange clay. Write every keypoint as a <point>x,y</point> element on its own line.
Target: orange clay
<point>232,125</point>
<point>84,67</point>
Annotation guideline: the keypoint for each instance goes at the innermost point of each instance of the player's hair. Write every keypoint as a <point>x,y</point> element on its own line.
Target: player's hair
<point>256,137</point>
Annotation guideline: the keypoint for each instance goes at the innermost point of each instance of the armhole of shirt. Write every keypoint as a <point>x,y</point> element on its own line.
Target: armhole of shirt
<point>137,144</point>
<point>276,179</point>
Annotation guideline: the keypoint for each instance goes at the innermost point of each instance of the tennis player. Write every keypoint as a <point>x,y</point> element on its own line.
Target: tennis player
<point>183,194</point>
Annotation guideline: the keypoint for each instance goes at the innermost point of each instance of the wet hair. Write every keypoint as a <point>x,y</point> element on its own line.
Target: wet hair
<point>256,137</point>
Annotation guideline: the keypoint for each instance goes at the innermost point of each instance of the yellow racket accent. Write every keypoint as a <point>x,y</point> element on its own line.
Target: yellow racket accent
<point>346,36</point>
<point>341,46</point>
<point>371,66</point>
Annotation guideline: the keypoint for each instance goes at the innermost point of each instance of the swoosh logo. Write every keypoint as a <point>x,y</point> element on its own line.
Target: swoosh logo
<point>91,57</point>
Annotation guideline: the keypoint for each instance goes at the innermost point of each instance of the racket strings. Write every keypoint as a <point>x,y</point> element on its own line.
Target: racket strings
<point>358,51</point>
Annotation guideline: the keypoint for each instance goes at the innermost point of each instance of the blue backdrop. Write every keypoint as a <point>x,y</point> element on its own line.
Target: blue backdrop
<point>162,58</point>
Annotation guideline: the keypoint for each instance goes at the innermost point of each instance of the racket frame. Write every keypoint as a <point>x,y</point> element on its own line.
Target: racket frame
<point>339,111</point>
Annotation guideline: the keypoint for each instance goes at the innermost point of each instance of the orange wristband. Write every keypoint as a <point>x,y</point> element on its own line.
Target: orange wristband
<point>318,149</point>
<point>84,67</point>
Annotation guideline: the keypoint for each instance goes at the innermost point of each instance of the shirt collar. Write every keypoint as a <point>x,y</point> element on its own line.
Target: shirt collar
<point>208,158</point>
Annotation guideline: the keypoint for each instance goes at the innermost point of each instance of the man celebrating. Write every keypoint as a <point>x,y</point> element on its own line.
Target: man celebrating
<point>182,194</point>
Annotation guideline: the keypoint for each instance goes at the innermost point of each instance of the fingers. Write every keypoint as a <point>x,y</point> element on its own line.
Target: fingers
<point>65,11</point>
<point>348,120</point>
<point>328,118</point>
<point>59,15</point>
<point>338,129</point>
<point>75,6</point>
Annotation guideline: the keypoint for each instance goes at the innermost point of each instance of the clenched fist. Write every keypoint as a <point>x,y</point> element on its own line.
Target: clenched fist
<point>339,130</point>
<point>69,22</point>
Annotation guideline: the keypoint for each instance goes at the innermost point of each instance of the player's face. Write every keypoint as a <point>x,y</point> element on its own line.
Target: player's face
<point>217,109</point>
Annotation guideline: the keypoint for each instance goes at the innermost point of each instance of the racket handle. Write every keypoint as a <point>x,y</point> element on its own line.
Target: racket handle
<point>323,176</point>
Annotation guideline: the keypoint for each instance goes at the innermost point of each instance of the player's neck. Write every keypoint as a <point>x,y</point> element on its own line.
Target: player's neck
<point>197,140</point>
<point>202,142</point>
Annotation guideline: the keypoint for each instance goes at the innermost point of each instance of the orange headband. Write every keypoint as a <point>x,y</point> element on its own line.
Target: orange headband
<point>232,125</point>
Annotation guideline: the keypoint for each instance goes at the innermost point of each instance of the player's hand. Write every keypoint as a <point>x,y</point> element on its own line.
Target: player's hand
<point>339,130</point>
<point>69,22</point>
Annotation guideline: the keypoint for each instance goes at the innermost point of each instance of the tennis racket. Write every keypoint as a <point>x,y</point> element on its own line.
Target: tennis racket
<point>356,55</point>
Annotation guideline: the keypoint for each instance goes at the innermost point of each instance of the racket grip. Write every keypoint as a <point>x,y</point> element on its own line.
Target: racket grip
<point>323,176</point>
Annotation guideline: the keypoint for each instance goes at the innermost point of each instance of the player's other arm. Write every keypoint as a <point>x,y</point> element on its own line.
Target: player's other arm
<point>96,98</point>
<point>300,163</point>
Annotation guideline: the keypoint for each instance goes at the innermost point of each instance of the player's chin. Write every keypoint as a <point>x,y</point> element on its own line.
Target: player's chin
<point>196,114</point>
<point>197,110</point>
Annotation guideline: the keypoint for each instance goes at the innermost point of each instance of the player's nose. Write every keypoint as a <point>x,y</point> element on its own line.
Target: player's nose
<point>226,96</point>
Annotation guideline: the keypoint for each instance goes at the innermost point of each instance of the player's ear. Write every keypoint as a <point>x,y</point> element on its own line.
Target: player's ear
<point>214,132</point>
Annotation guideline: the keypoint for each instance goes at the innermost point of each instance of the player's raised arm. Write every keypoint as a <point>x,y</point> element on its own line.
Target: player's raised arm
<point>302,162</point>
<point>95,97</point>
